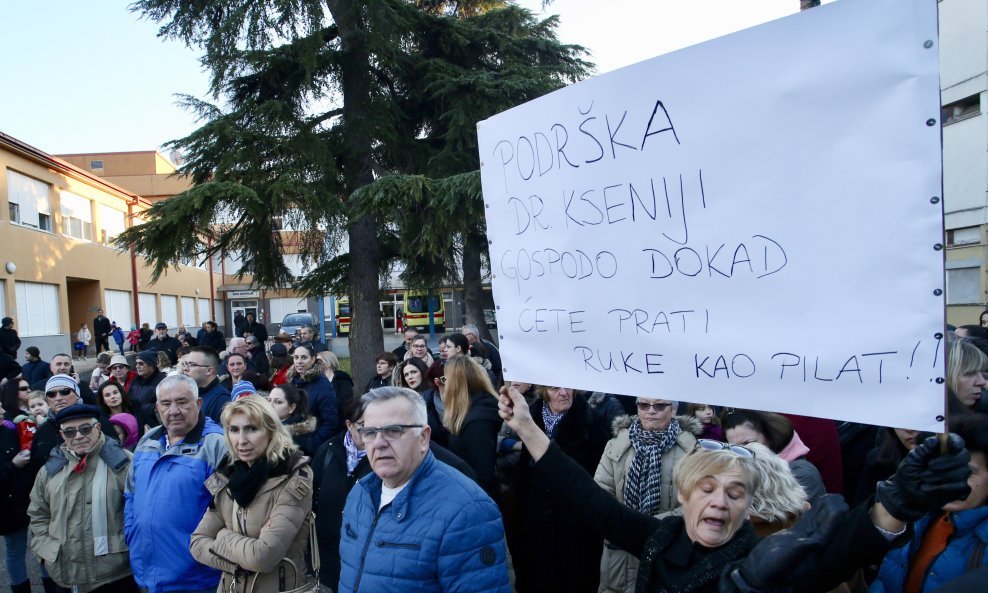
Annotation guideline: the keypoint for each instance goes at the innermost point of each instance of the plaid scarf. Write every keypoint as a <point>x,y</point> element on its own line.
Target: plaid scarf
<point>643,484</point>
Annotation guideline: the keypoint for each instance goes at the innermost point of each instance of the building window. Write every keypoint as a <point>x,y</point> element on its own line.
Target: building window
<point>77,216</point>
<point>37,309</point>
<point>966,236</point>
<point>95,164</point>
<point>148,307</point>
<point>169,310</point>
<point>963,286</point>
<point>188,312</point>
<point>119,307</point>
<point>30,201</point>
<point>960,110</point>
<point>112,221</point>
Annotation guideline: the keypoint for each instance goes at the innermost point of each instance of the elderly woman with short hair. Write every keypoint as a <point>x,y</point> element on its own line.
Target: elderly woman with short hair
<point>637,468</point>
<point>713,540</point>
<point>257,528</point>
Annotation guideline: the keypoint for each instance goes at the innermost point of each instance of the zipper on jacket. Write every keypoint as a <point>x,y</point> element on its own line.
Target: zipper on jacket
<point>384,544</point>
<point>363,555</point>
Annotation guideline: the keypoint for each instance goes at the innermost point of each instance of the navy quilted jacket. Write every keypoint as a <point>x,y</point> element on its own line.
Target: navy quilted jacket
<point>441,533</point>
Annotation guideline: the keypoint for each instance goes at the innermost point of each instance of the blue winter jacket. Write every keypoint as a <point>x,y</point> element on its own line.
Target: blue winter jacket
<point>164,500</point>
<point>213,399</point>
<point>970,528</point>
<point>441,533</point>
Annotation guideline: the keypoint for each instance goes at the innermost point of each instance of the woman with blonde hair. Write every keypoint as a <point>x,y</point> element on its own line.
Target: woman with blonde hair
<point>965,365</point>
<point>470,414</point>
<point>257,527</point>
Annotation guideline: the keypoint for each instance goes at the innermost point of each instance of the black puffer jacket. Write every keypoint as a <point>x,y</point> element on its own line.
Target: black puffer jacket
<point>552,552</point>
<point>15,482</point>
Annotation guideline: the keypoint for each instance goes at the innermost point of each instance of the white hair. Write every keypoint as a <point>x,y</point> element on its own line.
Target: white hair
<point>383,394</point>
<point>779,497</point>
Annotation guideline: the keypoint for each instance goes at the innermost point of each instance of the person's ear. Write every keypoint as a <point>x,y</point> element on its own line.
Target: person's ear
<point>679,497</point>
<point>199,403</point>
<point>425,437</point>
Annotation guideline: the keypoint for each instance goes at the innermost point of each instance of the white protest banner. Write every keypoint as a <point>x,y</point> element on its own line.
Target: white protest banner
<point>754,221</point>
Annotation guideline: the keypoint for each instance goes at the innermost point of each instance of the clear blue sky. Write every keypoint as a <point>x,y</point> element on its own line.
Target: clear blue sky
<point>94,77</point>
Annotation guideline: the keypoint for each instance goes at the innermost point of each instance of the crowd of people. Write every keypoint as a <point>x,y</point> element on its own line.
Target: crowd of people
<point>198,464</point>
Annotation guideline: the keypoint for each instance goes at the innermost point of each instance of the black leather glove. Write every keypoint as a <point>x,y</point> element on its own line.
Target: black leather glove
<point>772,563</point>
<point>927,479</point>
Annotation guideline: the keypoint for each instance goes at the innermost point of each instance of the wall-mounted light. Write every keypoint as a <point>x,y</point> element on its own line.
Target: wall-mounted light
<point>11,268</point>
<point>197,291</point>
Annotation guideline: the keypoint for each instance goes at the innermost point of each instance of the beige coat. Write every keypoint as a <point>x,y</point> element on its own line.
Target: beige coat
<point>618,569</point>
<point>61,513</point>
<point>249,544</point>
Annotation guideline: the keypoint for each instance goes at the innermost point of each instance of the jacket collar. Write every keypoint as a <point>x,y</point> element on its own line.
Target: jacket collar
<point>400,506</point>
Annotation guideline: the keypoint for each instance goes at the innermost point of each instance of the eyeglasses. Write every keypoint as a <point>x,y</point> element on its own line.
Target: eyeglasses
<point>711,445</point>
<point>59,392</point>
<point>659,407</point>
<point>24,388</point>
<point>187,364</point>
<point>84,430</point>
<point>390,432</point>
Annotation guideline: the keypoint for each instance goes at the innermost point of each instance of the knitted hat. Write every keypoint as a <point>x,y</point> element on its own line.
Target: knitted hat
<point>242,388</point>
<point>76,411</point>
<point>149,357</point>
<point>33,351</point>
<point>119,359</point>
<point>61,381</point>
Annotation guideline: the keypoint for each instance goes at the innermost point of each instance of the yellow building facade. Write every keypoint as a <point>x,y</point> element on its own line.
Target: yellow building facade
<point>57,263</point>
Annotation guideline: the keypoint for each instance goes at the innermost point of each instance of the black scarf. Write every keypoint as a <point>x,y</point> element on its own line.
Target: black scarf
<point>246,480</point>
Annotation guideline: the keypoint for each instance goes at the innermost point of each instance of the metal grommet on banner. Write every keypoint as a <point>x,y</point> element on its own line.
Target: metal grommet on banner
<point>937,247</point>
<point>931,122</point>
<point>939,380</point>
<point>928,43</point>
<point>935,200</point>
<point>940,418</point>
<point>938,336</point>
<point>937,292</point>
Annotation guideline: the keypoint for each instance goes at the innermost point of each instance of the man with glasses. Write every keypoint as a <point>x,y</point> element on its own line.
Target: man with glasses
<point>142,389</point>
<point>61,391</point>
<point>77,507</point>
<point>200,364</point>
<point>472,334</point>
<point>165,493</point>
<point>61,364</point>
<point>433,528</point>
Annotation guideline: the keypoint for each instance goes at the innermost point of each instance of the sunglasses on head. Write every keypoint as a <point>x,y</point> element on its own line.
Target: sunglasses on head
<point>711,445</point>
<point>658,407</point>
<point>56,392</point>
<point>84,430</point>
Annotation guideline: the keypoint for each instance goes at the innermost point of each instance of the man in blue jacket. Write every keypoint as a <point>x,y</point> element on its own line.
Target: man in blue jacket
<point>165,496</point>
<point>433,529</point>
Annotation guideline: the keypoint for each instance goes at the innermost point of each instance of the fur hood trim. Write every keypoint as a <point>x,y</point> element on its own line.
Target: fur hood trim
<point>318,368</point>
<point>688,423</point>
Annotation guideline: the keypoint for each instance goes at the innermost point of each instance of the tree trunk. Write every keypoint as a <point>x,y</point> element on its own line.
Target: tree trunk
<point>473,292</point>
<point>366,335</point>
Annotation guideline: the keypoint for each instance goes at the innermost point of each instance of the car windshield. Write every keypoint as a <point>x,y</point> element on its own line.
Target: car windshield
<point>293,320</point>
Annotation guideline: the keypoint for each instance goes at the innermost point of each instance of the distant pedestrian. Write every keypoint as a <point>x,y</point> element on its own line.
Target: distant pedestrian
<point>82,339</point>
<point>9,341</point>
<point>118,336</point>
<point>101,327</point>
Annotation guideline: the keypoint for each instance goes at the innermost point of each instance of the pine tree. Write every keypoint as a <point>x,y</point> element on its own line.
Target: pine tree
<point>316,100</point>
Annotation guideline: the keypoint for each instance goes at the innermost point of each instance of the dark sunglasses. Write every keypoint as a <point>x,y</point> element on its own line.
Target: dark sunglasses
<point>711,445</point>
<point>24,388</point>
<point>644,407</point>
<point>84,430</point>
<point>56,392</point>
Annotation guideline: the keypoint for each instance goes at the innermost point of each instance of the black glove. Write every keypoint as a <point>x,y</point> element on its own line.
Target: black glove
<point>926,479</point>
<point>772,563</point>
